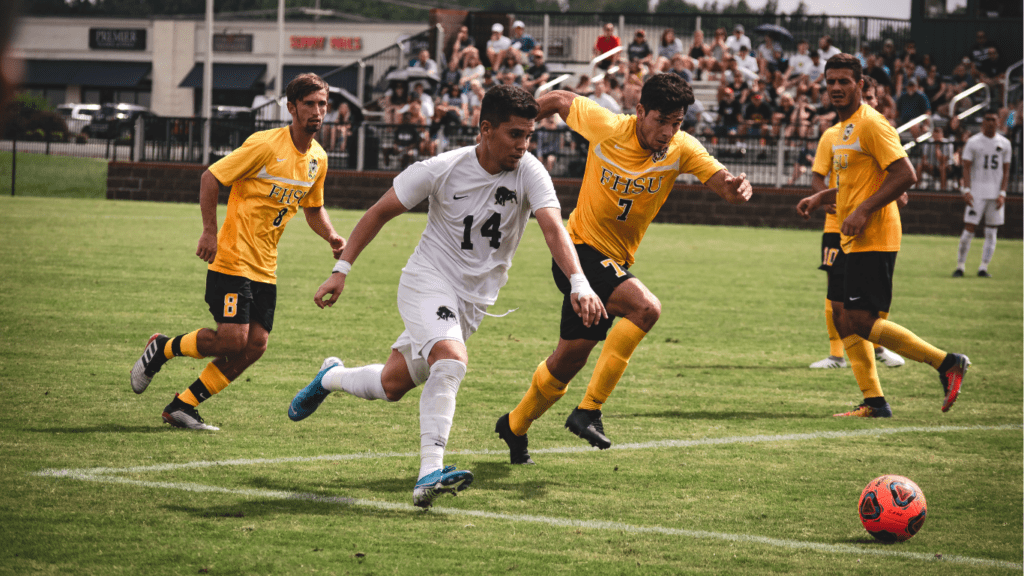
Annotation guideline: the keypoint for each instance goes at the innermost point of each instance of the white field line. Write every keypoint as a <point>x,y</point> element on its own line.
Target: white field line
<point>109,476</point>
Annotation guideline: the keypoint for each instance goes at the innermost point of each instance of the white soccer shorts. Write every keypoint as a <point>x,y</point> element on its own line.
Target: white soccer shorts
<point>987,208</point>
<point>431,312</point>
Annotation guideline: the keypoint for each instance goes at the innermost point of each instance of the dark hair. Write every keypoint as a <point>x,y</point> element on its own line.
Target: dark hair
<point>667,93</point>
<point>845,61</point>
<point>504,101</point>
<point>870,82</point>
<point>304,85</point>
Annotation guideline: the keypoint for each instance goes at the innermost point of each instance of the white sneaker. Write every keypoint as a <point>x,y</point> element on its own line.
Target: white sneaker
<point>889,358</point>
<point>830,362</point>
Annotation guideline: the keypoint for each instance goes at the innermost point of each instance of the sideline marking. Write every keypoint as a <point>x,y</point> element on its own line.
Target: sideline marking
<point>109,476</point>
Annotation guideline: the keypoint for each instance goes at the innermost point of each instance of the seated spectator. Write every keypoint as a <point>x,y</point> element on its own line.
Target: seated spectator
<point>715,65</point>
<point>639,49</point>
<point>473,100</point>
<point>781,116</point>
<point>874,70</point>
<point>454,99</point>
<point>757,116</point>
<point>886,105</point>
<point>394,99</point>
<point>800,63</point>
<point>746,61</point>
<point>694,118</point>
<point>817,72</point>
<point>978,51</point>
<point>632,85</point>
<point>497,45</point>
<point>736,81</point>
<point>606,42</point>
<point>681,66</point>
<point>584,87</point>
<point>934,87</point>
<point>327,137</point>
<point>911,104</point>
<point>737,40</point>
<point>421,95</point>
<point>936,155</point>
<point>549,142</point>
<point>887,56</point>
<point>451,75</point>
<point>700,53</point>
<point>472,69</point>
<point>407,139</point>
<point>537,74</point>
<point>669,47</point>
<point>991,71</point>
<point>765,55</point>
<point>825,115</point>
<point>801,117</point>
<point>729,110</point>
<point>602,95</point>
<point>426,63</point>
<point>825,48</point>
<point>510,66</point>
<point>522,43</point>
<point>462,41</point>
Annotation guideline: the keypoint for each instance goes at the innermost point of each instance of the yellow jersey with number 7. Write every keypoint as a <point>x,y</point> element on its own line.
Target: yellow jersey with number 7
<point>624,185</point>
<point>269,180</point>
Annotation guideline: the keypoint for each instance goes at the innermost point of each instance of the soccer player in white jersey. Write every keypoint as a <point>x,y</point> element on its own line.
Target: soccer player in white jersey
<point>986,161</point>
<point>480,199</point>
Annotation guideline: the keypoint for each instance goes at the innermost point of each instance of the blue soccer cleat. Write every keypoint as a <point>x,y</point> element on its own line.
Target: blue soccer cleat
<point>445,481</point>
<point>309,398</point>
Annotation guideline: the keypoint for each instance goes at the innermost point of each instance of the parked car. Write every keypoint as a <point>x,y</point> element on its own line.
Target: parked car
<point>78,116</point>
<point>116,120</point>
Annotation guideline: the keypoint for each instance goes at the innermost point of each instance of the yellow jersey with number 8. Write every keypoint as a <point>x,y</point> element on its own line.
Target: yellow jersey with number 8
<point>624,185</point>
<point>863,146</point>
<point>269,180</point>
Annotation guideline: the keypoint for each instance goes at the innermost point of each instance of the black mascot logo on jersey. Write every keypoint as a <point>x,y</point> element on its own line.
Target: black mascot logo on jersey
<point>313,165</point>
<point>504,195</point>
<point>444,313</point>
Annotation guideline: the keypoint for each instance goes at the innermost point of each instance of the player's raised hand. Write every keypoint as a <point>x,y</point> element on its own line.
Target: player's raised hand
<point>207,248</point>
<point>334,284</point>
<point>588,307</point>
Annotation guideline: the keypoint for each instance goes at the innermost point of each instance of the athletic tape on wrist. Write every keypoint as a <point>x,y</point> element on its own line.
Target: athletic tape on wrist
<point>579,285</point>
<point>343,266</point>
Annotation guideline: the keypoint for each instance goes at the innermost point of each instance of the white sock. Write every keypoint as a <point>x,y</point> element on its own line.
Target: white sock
<point>989,248</point>
<point>363,382</point>
<point>963,249</point>
<point>437,409</point>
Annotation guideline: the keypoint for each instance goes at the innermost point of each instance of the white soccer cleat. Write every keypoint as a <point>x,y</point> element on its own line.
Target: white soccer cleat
<point>889,358</point>
<point>830,362</point>
<point>141,374</point>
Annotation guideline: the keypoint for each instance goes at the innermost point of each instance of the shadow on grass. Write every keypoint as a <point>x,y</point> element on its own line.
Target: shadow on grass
<point>111,428</point>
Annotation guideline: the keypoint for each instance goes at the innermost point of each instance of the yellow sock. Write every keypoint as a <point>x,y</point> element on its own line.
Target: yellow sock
<point>862,361</point>
<point>622,340</point>
<point>188,398</point>
<point>544,391</point>
<point>835,343</point>
<point>211,381</point>
<point>184,345</point>
<point>905,343</point>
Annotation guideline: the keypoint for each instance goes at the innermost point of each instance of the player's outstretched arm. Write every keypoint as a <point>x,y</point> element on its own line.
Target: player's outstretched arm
<point>209,191</point>
<point>556,101</point>
<point>320,223</point>
<point>732,189</point>
<point>584,301</point>
<point>386,209</point>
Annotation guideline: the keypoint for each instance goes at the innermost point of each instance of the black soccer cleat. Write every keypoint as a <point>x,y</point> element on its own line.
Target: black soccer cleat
<point>587,425</point>
<point>517,452</point>
<point>984,274</point>
<point>958,273</point>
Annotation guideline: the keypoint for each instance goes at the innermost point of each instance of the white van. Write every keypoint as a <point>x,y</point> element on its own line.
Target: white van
<point>78,116</point>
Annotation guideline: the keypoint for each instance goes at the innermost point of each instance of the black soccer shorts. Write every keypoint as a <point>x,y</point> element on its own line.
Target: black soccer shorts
<point>238,300</point>
<point>869,281</point>
<point>604,276</point>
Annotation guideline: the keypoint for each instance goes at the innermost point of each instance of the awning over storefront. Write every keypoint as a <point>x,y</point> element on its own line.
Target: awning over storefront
<point>227,76</point>
<point>345,79</point>
<point>105,74</point>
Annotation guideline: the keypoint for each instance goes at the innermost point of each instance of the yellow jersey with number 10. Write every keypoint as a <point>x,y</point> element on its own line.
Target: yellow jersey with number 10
<point>863,146</point>
<point>624,185</point>
<point>269,180</point>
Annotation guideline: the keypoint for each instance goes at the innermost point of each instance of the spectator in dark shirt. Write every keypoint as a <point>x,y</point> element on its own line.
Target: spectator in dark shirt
<point>888,56</point>
<point>874,70</point>
<point>911,104</point>
<point>407,141</point>
<point>728,113</point>
<point>639,49</point>
<point>537,73</point>
<point>978,52</point>
<point>758,115</point>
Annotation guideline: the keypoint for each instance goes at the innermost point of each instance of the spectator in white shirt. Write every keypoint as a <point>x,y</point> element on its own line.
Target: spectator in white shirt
<point>738,39</point>
<point>826,49</point>
<point>746,61</point>
<point>497,45</point>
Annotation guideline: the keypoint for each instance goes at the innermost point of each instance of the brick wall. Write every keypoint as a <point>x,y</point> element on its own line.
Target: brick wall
<point>940,214</point>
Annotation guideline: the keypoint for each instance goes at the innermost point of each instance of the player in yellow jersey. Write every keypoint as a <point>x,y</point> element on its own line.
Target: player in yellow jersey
<point>632,164</point>
<point>833,260</point>
<point>271,175</point>
<point>870,170</point>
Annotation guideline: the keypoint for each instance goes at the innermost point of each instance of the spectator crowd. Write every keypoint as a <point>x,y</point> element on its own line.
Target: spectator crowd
<point>773,90</point>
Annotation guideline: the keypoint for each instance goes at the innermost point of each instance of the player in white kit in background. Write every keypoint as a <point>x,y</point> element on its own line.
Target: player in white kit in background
<point>480,199</point>
<point>986,162</point>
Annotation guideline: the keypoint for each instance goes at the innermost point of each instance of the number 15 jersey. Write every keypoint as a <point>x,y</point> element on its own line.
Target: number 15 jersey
<point>624,185</point>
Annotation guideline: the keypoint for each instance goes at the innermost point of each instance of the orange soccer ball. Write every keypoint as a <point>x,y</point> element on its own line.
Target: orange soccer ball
<point>892,508</point>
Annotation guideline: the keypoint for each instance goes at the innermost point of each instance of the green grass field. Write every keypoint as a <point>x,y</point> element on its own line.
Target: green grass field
<point>726,457</point>
<point>53,176</point>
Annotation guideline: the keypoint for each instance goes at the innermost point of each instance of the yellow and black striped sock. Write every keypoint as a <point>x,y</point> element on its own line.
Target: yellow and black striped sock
<point>544,391</point>
<point>184,345</point>
<point>210,382</point>
<point>622,340</point>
